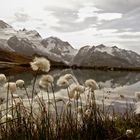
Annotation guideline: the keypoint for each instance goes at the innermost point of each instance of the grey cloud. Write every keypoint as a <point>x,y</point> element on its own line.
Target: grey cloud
<point>64,14</point>
<point>129,8</point>
<point>37,19</point>
<point>119,6</point>
<point>130,36</point>
<point>21,17</point>
<point>67,20</point>
<point>75,26</point>
<point>130,20</point>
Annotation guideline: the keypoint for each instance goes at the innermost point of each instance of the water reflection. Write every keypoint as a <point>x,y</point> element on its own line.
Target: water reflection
<point>115,78</point>
<point>109,79</point>
<point>113,84</point>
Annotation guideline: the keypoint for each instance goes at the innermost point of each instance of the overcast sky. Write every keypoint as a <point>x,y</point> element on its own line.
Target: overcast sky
<point>80,22</point>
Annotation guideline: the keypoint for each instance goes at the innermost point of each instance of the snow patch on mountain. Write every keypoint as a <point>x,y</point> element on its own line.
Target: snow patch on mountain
<point>86,48</point>
<point>6,33</point>
<point>60,49</point>
<point>52,42</point>
<point>31,35</point>
<point>108,50</point>
<point>102,55</point>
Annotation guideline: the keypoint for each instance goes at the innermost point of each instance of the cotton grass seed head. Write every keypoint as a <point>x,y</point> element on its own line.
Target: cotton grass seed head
<point>68,76</point>
<point>11,86</point>
<point>40,63</point>
<point>62,82</point>
<point>76,89</point>
<point>20,83</point>
<point>2,78</point>
<point>47,78</point>
<point>129,133</point>
<point>88,112</point>
<point>137,94</point>
<point>44,84</point>
<point>79,88</point>
<point>91,84</point>
<point>46,81</point>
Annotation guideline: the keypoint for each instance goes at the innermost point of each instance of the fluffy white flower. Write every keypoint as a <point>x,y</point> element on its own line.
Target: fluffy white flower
<point>20,83</point>
<point>2,78</point>
<point>137,94</point>
<point>46,80</point>
<point>62,82</point>
<point>77,89</point>
<point>129,133</point>
<point>88,112</point>
<point>91,84</point>
<point>68,76</point>
<point>40,63</point>
<point>11,86</point>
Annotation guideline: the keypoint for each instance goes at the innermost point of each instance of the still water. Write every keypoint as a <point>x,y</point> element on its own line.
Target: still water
<point>116,88</point>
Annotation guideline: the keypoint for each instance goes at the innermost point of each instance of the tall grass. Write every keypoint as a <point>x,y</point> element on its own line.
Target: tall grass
<point>45,119</point>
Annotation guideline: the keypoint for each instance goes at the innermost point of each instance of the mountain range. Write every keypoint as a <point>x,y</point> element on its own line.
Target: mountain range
<point>22,45</point>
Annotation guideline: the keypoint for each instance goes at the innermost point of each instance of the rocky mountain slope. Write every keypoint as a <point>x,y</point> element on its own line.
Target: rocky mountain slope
<point>27,44</point>
<point>30,43</point>
<point>106,56</point>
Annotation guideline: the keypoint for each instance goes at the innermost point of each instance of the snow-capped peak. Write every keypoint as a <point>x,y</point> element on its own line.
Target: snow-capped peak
<point>32,34</point>
<point>102,48</point>
<point>55,44</point>
<point>58,48</point>
<point>4,25</point>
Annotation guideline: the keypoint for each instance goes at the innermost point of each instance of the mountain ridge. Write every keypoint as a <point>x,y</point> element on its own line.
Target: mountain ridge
<point>102,55</point>
<point>30,43</point>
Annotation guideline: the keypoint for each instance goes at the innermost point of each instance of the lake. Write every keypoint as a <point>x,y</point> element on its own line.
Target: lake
<point>116,89</point>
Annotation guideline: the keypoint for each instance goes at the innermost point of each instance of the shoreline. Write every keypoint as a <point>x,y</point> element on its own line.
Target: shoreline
<point>9,65</point>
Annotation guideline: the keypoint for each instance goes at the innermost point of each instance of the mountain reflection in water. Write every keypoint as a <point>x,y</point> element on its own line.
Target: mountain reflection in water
<point>116,78</point>
<point>113,84</point>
